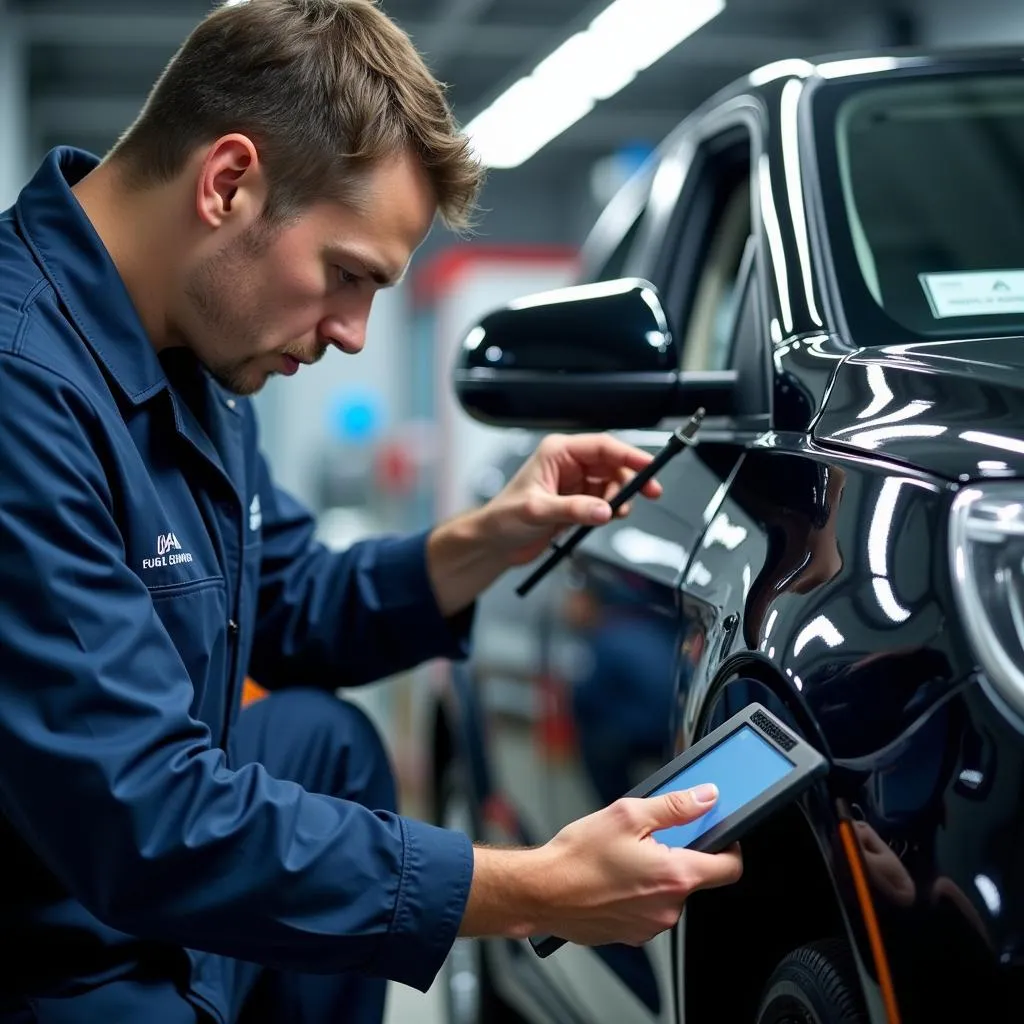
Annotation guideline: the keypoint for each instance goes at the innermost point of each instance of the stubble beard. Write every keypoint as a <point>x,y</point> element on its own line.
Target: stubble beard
<point>229,273</point>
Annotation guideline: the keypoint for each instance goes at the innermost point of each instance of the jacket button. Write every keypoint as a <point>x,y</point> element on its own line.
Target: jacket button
<point>232,627</point>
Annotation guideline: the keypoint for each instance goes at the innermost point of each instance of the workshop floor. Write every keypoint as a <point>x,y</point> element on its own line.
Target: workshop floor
<point>407,1006</point>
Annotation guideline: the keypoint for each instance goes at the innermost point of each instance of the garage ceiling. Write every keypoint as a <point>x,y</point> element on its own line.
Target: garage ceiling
<point>91,62</point>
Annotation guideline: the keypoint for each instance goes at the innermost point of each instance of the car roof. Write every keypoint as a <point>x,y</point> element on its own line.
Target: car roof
<point>767,81</point>
<point>879,63</point>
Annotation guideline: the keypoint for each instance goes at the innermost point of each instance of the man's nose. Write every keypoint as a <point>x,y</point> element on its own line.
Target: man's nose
<point>348,333</point>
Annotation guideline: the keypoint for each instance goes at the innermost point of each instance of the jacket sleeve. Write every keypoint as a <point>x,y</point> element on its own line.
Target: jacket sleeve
<point>108,777</point>
<point>343,618</point>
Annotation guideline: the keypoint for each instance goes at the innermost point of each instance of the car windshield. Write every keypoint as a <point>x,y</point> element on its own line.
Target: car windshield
<point>925,203</point>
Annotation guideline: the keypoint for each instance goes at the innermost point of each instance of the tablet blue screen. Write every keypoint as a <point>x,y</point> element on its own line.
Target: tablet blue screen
<point>742,766</point>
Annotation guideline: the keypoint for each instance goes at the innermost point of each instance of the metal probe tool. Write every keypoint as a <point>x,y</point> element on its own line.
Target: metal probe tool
<point>680,439</point>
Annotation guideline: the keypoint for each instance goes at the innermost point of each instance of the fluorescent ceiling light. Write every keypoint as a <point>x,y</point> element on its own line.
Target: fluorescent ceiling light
<point>624,39</point>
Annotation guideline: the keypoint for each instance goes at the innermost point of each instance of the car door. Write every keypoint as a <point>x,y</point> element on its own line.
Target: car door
<point>620,645</point>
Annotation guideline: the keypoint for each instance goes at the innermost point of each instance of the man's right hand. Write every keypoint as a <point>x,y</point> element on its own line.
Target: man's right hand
<point>602,879</point>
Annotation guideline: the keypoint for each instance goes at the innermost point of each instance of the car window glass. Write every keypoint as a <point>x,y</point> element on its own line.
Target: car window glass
<point>610,247</point>
<point>711,228</point>
<point>929,195</point>
<point>710,329</point>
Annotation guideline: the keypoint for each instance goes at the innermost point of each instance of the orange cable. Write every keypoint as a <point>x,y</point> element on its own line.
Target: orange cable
<point>867,907</point>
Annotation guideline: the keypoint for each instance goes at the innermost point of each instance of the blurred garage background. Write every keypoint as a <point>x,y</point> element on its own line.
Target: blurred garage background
<point>375,443</point>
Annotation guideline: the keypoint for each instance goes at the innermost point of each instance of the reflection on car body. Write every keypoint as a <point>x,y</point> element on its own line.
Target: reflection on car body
<point>835,249</point>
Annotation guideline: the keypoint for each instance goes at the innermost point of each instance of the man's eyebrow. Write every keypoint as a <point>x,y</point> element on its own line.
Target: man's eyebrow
<point>378,274</point>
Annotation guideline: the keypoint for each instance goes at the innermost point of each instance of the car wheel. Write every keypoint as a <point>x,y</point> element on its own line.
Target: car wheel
<point>468,992</point>
<point>815,984</point>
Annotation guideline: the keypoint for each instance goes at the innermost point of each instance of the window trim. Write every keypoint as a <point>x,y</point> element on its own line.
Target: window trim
<point>623,214</point>
<point>743,112</point>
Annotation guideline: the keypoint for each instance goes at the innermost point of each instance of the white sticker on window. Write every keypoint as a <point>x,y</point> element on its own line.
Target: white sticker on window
<point>974,293</point>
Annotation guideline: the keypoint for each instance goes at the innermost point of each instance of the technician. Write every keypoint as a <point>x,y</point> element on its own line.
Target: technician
<point>168,858</point>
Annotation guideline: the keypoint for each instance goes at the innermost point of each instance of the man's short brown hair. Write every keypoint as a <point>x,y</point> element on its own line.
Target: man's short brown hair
<point>325,88</point>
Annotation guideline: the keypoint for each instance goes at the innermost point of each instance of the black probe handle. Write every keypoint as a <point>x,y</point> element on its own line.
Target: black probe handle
<point>558,552</point>
<point>675,444</point>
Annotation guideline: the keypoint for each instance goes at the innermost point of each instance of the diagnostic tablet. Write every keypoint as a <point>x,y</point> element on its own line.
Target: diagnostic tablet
<point>758,765</point>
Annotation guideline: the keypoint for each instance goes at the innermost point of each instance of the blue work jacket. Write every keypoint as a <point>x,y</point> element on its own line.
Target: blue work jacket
<point>147,563</point>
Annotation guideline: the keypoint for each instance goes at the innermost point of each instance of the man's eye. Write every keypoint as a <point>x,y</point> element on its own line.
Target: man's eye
<point>347,277</point>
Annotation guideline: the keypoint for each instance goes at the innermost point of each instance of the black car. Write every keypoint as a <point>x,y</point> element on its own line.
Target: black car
<point>829,259</point>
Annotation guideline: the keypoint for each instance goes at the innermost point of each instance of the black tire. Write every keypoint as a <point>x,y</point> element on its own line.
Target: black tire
<point>468,992</point>
<point>815,984</point>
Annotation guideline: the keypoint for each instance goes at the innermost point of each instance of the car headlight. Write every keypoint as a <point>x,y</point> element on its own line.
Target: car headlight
<point>987,551</point>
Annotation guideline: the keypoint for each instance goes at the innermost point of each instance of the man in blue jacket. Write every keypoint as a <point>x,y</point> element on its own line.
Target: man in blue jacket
<point>168,858</point>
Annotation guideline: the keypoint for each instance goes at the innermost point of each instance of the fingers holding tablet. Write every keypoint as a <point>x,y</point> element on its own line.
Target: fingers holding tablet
<point>691,814</point>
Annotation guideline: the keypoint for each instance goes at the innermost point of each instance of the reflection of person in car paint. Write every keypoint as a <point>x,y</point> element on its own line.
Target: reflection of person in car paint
<point>803,550</point>
<point>931,928</point>
<point>796,508</point>
<point>887,873</point>
<point>890,879</point>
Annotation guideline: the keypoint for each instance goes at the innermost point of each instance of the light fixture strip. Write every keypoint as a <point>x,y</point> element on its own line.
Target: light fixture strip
<point>592,65</point>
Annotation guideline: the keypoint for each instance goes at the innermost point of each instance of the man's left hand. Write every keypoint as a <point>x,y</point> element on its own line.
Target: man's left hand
<point>568,481</point>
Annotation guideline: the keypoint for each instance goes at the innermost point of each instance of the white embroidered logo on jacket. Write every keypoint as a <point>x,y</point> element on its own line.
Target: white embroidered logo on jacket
<point>168,552</point>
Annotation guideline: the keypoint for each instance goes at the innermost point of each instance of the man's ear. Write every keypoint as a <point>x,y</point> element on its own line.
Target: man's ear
<point>231,186</point>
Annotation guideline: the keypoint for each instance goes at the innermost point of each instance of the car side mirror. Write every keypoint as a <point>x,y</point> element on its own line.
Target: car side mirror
<point>596,356</point>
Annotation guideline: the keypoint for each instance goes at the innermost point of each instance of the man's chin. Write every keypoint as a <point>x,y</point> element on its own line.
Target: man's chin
<point>242,382</point>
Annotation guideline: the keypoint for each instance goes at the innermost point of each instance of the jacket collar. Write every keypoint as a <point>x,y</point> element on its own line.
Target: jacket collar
<point>78,266</point>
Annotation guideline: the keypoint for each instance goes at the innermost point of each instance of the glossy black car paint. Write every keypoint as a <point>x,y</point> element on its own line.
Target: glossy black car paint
<point>799,556</point>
